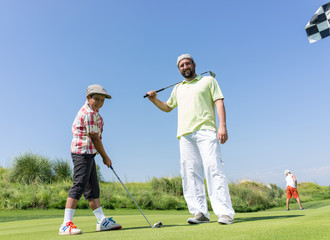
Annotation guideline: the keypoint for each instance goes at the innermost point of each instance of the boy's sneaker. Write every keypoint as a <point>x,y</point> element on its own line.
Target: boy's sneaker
<point>107,224</point>
<point>199,218</point>
<point>225,219</point>
<point>69,229</point>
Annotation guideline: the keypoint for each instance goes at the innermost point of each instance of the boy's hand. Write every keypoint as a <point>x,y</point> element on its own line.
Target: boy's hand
<point>107,161</point>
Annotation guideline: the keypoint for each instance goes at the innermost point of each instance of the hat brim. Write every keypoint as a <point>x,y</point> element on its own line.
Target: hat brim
<point>107,96</point>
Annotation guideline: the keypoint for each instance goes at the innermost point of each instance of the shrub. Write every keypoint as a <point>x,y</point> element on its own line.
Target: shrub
<point>277,191</point>
<point>62,169</point>
<point>99,174</point>
<point>171,186</point>
<point>29,168</point>
<point>4,174</point>
<point>163,201</point>
<point>313,191</point>
<point>2,171</point>
<point>252,196</point>
<point>162,193</point>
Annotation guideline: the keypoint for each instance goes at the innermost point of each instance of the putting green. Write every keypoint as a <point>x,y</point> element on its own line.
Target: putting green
<point>312,223</point>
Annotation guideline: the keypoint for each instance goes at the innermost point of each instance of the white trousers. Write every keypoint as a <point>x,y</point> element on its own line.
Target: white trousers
<point>199,158</point>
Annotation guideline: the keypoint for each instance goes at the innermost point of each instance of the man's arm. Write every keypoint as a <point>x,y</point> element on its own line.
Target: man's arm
<point>221,111</point>
<point>152,95</point>
<point>294,179</point>
<point>100,149</point>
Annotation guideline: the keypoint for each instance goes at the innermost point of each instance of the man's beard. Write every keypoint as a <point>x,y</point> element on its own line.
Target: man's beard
<point>190,74</point>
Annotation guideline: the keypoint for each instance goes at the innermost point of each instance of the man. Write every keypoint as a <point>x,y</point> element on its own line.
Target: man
<point>291,189</point>
<point>196,97</point>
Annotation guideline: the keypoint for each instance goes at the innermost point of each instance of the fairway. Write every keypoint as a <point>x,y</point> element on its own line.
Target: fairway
<point>312,223</point>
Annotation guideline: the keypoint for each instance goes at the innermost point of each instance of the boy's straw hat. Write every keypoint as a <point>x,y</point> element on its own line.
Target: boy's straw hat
<point>97,89</point>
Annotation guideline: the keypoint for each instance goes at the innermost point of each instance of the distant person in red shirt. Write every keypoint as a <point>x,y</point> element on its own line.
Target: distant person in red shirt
<point>291,189</point>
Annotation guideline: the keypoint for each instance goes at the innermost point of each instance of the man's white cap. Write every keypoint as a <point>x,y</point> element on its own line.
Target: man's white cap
<point>183,56</point>
<point>286,171</point>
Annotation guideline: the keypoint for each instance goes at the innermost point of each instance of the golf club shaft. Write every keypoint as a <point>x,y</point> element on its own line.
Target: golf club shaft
<point>130,195</point>
<point>162,89</point>
<point>211,73</point>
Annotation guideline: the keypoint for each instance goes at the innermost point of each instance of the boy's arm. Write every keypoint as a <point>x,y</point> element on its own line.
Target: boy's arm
<point>99,147</point>
<point>222,131</point>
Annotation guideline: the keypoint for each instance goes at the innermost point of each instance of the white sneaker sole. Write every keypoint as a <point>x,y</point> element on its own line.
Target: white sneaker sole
<point>113,228</point>
<point>194,221</point>
<point>67,233</point>
<point>226,222</point>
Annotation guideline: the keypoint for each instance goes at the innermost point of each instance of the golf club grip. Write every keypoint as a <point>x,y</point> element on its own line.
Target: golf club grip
<point>156,92</point>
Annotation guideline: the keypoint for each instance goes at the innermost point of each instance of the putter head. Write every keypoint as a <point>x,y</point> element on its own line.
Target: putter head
<point>212,74</point>
<point>158,225</point>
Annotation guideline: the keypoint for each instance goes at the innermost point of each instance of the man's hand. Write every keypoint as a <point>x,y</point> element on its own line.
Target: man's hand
<point>107,161</point>
<point>152,95</point>
<point>222,135</point>
<point>222,131</point>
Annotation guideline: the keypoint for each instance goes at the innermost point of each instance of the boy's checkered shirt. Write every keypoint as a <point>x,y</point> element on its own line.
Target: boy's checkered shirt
<point>86,122</point>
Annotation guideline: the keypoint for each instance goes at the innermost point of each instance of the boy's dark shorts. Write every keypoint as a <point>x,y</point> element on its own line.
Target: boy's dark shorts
<point>84,177</point>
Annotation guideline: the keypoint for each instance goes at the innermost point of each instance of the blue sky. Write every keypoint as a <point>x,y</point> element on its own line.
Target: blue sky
<point>276,85</point>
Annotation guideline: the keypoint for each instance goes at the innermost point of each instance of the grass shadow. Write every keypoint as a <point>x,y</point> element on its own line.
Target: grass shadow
<point>250,219</point>
<point>145,227</point>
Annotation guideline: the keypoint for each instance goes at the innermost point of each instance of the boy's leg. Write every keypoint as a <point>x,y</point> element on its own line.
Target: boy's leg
<point>103,223</point>
<point>95,205</point>
<point>67,227</point>
<point>216,180</point>
<point>82,169</point>
<point>71,203</point>
<point>92,194</point>
<point>70,208</point>
<point>191,170</point>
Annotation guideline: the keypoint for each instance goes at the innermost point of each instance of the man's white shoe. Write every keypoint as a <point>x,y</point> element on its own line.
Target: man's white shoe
<point>107,224</point>
<point>69,229</point>
<point>225,219</point>
<point>199,218</point>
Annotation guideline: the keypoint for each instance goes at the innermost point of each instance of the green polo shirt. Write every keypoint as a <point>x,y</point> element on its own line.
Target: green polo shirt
<point>195,102</point>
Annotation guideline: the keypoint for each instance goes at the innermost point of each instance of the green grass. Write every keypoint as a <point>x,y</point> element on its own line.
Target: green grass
<point>312,223</point>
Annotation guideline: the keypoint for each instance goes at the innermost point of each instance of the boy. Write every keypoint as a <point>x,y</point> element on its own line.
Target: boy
<point>86,143</point>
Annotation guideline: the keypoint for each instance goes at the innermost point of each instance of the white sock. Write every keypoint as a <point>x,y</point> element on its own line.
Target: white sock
<point>68,215</point>
<point>99,214</point>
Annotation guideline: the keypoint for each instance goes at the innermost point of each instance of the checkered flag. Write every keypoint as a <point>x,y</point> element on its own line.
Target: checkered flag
<point>319,25</point>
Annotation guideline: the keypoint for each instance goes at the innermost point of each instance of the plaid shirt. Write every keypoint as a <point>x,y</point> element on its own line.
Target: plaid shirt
<point>86,122</point>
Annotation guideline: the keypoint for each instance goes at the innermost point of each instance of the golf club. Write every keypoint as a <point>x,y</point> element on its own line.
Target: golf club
<point>156,225</point>
<point>212,74</point>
